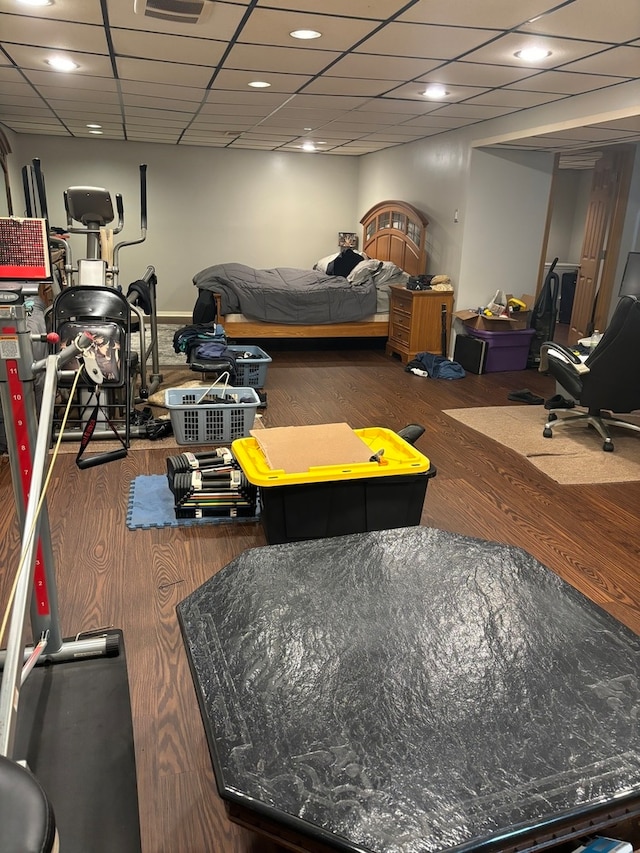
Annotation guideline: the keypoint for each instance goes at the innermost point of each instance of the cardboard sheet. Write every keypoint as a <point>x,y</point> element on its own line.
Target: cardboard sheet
<point>296,449</point>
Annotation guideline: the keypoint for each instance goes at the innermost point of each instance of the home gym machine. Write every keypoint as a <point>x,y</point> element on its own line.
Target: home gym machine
<point>27,821</point>
<point>89,211</point>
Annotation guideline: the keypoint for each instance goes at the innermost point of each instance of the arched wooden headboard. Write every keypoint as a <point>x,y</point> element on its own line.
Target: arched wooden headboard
<point>396,231</point>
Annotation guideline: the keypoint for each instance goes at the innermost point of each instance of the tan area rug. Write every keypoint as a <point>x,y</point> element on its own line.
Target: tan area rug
<point>573,456</point>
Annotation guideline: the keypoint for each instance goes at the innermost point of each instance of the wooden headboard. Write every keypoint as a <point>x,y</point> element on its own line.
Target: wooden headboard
<point>395,231</point>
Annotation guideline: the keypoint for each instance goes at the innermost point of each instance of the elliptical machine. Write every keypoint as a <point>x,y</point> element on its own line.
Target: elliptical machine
<point>89,211</point>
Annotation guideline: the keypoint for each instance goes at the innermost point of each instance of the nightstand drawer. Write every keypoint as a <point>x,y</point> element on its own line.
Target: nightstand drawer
<point>400,318</point>
<point>402,300</point>
<point>399,334</point>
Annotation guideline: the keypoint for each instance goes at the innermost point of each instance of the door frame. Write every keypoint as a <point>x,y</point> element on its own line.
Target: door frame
<point>616,214</point>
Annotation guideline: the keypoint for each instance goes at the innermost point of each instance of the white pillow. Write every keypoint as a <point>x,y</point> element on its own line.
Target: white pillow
<point>363,271</point>
<point>323,263</point>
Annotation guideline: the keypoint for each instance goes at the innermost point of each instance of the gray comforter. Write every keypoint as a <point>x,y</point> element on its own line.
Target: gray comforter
<point>287,295</point>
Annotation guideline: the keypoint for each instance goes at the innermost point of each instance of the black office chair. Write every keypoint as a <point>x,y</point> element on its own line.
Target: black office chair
<point>609,379</point>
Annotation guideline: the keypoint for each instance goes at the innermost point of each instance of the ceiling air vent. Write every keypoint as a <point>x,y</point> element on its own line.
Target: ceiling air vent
<point>175,11</point>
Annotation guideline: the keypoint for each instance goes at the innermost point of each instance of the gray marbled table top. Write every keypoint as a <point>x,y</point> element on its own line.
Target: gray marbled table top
<point>412,690</point>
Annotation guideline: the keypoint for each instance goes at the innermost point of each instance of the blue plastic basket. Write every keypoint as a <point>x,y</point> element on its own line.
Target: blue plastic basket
<point>252,371</point>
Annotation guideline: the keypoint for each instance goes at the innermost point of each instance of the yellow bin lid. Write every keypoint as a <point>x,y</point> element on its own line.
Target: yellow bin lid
<point>399,457</point>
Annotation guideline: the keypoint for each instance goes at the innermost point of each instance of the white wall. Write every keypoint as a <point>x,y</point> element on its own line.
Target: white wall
<point>505,223</point>
<point>205,206</point>
<point>500,198</point>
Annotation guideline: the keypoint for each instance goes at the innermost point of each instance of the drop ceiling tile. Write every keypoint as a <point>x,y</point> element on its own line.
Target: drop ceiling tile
<point>161,90</point>
<point>231,112</point>
<point>498,14</point>
<point>511,98</point>
<point>159,103</point>
<point>35,59</point>
<point>7,100</point>
<point>347,86</point>
<point>232,79</point>
<point>170,48</point>
<point>269,26</point>
<point>381,67</point>
<point>389,104</point>
<point>163,72</point>
<point>389,136</point>
<point>155,117</point>
<point>226,125</point>
<point>21,90</point>
<point>376,9</point>
<point>254,97</point>
<point>9,74</point>
<point>95,97</point>
<point>476,74</point>
<point>563,82</point>
<point>53,35</point>
<point>256,58</point>
<point>305,118</point>
<point>222,24</point>
<point>591,19</point>
<point>53,128</point>
<point>435,120</point>
<point>471,111</point>
<point>423,40</point>
<point>587,134</point>
<point>53,82</point>
<point>272,138</point>
<point>61,10</point>
<point>619,61</point>
<point>379,118</point>
<point>350,128</point>
<point>12,111</point>
<point>81,127</point>
<point>251,146</point>
<point>93,112</point>
<point>631,124</point>
<point>502,51</point>
<point>312,102</point>
<point>415,91</point>
<point>102,104</point>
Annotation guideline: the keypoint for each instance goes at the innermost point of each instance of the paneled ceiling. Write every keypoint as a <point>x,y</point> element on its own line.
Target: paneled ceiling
<point>146,74</point>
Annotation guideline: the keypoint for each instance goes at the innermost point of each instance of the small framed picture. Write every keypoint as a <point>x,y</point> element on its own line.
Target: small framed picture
<point>347,240</point>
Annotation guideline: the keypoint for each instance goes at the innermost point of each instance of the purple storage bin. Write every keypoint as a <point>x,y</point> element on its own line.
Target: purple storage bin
<point>505,350</point>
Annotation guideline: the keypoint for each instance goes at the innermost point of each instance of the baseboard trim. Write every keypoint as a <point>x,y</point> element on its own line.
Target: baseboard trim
<point>181,317</point>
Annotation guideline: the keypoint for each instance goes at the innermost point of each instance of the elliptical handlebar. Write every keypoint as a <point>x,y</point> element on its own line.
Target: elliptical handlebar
<point>143,222</point>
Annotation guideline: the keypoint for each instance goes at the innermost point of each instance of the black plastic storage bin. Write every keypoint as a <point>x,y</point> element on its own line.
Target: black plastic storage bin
<point>334,500</point>
<point>292,513</point>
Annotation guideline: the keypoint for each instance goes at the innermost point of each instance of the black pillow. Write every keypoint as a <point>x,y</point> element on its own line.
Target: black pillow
<point>344,263</point>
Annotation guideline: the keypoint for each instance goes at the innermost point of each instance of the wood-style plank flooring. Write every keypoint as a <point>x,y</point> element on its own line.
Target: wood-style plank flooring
<point>110,575</point>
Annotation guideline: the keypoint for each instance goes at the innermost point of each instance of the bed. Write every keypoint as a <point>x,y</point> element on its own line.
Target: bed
<point>394,233</point>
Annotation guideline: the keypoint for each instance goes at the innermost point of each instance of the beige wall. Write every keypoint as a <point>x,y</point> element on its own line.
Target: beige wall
<point>205,206</point>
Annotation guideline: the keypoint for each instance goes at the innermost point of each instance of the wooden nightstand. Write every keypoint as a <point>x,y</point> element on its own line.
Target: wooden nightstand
<point>415,321</point>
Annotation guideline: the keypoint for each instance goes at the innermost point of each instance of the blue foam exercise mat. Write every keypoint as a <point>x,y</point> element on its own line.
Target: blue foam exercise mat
<point>151,505</point>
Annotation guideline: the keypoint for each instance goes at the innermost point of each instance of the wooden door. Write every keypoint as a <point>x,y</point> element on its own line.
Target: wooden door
<point>601,244</point>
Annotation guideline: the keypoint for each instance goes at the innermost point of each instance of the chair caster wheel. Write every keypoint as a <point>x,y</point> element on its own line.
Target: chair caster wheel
<point>547,432</point>
<point>608,445</point>
<point>553,417</point>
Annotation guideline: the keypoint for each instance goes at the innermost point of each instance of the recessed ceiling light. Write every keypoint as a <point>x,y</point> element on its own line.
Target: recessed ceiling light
<point>435,91</point>
<point>532,54</point>
<point>259,84</point>
<point>62,63</point>
<point>308,146</point>
<point>305,34</point>
<point>36,2</point>
<point>94,125</point>
<point>97,132</point>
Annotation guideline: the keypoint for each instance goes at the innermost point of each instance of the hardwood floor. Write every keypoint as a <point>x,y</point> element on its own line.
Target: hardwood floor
<point>133,580</point>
